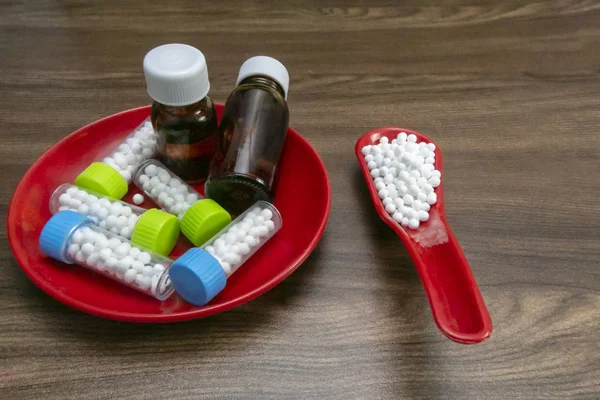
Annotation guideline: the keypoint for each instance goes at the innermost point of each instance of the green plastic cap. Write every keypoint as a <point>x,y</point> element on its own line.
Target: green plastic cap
<point>156,231</point>
<point>204,219</point>
<point>103,179</point>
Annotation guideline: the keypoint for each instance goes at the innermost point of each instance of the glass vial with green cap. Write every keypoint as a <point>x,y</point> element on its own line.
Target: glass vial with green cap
<point>200,218</point>
<point>183,114</point>
<point>153,229</point>
<point>112,175</point>
<point>74,239</point>
<point>251,136</point>
<point>201,273</point>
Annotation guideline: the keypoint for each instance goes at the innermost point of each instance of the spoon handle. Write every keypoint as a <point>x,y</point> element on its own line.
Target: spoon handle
<point>456,303</point>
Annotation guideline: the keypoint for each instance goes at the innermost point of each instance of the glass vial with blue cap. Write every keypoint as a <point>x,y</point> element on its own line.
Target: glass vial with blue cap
<point>152,229</point>
<point>74,239</point>
<point>200,218</point>
<point>201,273</point>
<point>112,174</point>
<point>252,133</point>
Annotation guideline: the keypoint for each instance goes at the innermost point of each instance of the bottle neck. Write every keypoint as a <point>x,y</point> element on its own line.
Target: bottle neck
<point>186,108</point>
<point>263,81</point>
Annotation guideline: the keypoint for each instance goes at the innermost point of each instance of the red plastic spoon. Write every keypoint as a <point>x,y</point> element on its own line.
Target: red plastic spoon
<point>456,303</point>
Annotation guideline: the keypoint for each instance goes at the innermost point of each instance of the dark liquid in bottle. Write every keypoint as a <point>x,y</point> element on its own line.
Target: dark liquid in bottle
<point>251,137</point>
<point>187,138</point>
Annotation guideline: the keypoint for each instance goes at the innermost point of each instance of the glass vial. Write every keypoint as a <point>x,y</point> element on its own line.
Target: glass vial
<point>153,229</point>
<point>201,273</point>
<point>183,115</point>
<point>112,175</point>
<point>251,136</point>
<point>74,239</point>
<point>200,218</point>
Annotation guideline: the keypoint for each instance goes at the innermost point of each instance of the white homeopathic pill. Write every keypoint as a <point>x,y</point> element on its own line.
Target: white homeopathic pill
<point>431,198</point>
<point>87,249</point>
<point>111,263</point>
<point>122,250</point>
<point>105,253</point>
<point>144,257</point>
<point>130,275</point>
<point>250,240</point>
<point>151,170</point>
<point>138,199</point>
<point>73,249</point>
<point>113,243</point>
<point>390,208</point>
<point>101,242</point>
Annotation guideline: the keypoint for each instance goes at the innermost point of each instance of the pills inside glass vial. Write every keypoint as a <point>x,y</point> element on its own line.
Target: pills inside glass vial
<point>112,174</point>
<point>405,176</point>
<point>201,273</point>
<point>74,239</point>
<point>153,229</point>
<point>200,218</point>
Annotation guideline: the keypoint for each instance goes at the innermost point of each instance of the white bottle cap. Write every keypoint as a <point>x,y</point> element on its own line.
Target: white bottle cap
<point>176,74</point>
<point>266,66</point>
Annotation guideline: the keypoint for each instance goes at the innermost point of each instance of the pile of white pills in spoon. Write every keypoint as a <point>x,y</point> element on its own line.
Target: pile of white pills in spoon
<point>139,146</point>
<point>405,177</point>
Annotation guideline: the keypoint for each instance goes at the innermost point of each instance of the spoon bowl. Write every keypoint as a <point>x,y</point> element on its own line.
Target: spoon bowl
<point>456,303</point>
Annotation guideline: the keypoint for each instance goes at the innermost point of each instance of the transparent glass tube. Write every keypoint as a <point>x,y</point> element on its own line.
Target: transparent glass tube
<point>106,253</point>
<point>139,145</point>
<point>165,188</point>
<point>115,216</point>
<point>239,240</point>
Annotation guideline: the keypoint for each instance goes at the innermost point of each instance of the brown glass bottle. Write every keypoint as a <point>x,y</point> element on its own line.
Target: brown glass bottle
<point>187,137</point>
<point>183,115</point>
<point>251,136</point>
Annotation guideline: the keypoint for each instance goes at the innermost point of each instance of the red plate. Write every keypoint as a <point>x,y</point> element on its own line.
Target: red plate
<point>304,219</point>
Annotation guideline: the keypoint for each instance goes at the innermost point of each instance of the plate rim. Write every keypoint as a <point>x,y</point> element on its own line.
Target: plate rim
<point>200,312</point>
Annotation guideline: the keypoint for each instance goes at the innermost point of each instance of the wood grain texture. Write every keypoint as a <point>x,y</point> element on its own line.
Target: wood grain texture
<point>510,91</point>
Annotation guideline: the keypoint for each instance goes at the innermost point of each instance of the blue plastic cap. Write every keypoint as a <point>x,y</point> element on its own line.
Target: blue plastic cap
<point>197,276</point>
<point>57,231</point>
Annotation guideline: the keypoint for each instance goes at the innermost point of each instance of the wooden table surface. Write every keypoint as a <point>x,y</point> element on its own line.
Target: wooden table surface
<point>510,91</point>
